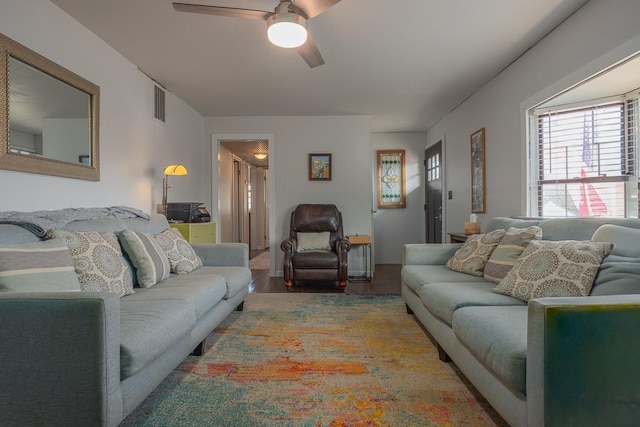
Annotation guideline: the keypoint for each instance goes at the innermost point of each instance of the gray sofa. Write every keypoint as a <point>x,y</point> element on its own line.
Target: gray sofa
<point>562,361</point>
<point>89,358</point>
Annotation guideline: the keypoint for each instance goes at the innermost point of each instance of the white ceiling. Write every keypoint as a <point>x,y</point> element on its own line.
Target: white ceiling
<point>406,63</point>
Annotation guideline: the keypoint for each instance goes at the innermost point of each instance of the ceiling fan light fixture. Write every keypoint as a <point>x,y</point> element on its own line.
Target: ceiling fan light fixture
<point>288,30</point>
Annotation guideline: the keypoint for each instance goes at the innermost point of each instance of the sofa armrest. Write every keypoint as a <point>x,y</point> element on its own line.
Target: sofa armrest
<point>223,254</point>
<point>582,361</point>
<point>60,359</point>
<point>428,253</point>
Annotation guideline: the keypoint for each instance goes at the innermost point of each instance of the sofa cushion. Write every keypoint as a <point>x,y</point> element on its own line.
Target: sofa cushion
<point>497,337</point>
<point>619,272</point>
<point>416,276</point>
<point>11,234</point>
<point>201,291</point>
<point>182,257</point>
<point>37,267</point>
<point>148,328</point>
<point>148,258</point>
<point>580,228</point>
<point>507,252</point>
<point>235,278</point>
<point>474,254</point>
<point>98,259</point>
<point>554,269</point>
<point>156,223</point>
<point>443,299</point>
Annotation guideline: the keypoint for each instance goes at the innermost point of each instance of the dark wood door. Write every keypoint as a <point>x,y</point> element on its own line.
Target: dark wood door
<point>433,196</point>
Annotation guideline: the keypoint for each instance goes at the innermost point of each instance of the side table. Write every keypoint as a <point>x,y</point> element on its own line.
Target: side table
<point>365,243</point>
<point>197,232</point>
<point>457,237</point>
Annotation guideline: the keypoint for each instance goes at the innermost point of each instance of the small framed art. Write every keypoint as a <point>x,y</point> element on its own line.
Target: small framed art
<point>478,179</point>
<point>320,167</point>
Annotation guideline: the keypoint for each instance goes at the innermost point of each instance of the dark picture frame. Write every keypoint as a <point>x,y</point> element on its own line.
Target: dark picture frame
<point>320,167</point>
<point>478,174</point>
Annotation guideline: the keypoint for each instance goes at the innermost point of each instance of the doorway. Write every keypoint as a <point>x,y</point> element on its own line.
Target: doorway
<point>243,196</point>
<point>433,188</point>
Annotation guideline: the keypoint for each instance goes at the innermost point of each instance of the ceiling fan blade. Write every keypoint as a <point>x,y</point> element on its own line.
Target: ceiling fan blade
<point>310,53</point>
<point>233,12</point>
<point>311,8</point>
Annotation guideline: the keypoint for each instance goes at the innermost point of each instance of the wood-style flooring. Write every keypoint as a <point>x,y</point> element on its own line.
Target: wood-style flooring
<point>386,280</point>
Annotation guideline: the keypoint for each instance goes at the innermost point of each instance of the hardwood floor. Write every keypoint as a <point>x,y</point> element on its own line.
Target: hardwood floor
<point>386,280</point>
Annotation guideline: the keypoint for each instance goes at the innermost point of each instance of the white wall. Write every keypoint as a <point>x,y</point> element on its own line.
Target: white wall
<point>348,138</point>
<point>134,147</point>
<point>395,227</point>
<point>599,34</point>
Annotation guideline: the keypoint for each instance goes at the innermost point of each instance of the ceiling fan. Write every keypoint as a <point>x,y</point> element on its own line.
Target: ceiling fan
<point>286,25</point>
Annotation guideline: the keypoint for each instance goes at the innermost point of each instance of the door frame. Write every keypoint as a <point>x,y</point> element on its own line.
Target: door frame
<point>215,177</point>
<point>443,177</point>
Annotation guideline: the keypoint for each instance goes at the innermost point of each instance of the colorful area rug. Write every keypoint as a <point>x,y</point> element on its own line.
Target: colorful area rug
<point>316,360</point>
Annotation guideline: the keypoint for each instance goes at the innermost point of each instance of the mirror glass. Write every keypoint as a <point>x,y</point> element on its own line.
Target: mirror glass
<point>48,116</point>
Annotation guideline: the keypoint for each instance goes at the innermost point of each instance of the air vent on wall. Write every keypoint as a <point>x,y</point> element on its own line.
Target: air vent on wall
<point>158,103</point>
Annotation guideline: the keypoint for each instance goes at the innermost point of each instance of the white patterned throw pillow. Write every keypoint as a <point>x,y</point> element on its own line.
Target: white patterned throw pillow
<point>554,269</point>
<point>182,258</point>
<point>475,252</point>
<point>313,241</point>
<point>98,260</point>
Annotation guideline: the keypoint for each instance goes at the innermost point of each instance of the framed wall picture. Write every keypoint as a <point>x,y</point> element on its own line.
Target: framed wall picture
<point>320,167</point>
<point>478,179</point>
<point>391,179</point>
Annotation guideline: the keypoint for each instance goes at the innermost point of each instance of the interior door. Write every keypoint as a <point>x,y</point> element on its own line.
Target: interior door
<point>433,196</point>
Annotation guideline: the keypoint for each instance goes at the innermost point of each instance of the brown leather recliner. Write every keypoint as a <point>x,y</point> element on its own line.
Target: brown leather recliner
<point>309,256</point>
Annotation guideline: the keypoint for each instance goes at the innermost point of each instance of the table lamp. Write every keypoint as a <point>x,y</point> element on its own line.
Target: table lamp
<point>170,170</point>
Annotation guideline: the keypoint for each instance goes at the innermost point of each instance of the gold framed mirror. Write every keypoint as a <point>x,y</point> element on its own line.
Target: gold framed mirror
<point>49,116</point>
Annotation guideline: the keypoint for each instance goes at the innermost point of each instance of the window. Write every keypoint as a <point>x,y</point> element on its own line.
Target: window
<point>584,160</point>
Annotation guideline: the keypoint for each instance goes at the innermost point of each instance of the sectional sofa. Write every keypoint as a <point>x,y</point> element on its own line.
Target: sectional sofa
<point>90,358</point>
<point>554,361</point>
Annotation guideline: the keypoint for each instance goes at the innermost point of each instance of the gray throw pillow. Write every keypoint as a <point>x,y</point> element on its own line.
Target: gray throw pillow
<point>37,267</point>
<point>508,251</point>
<point>146,255</point>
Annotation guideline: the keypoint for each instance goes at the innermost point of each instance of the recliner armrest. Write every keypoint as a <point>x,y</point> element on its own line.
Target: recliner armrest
<point>342,245</point>
<point>289,246</point>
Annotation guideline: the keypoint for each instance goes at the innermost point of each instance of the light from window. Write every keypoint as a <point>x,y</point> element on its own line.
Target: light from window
<point>584,160</point>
